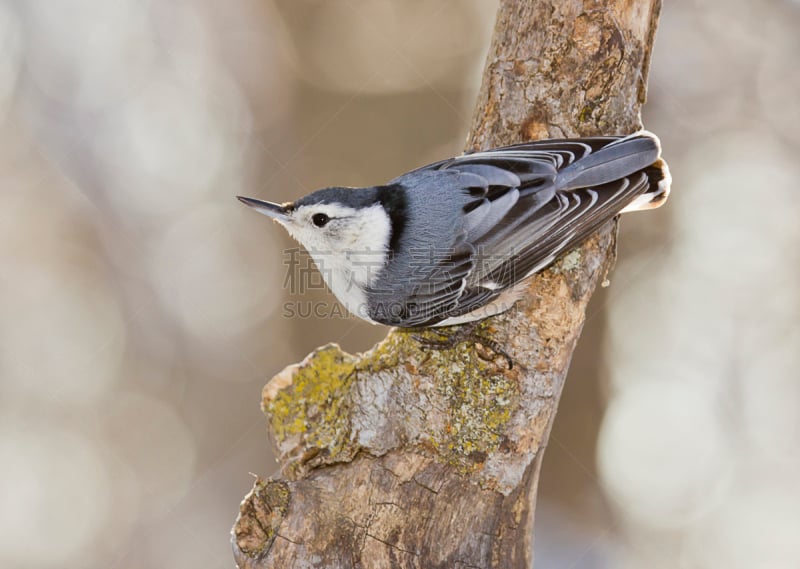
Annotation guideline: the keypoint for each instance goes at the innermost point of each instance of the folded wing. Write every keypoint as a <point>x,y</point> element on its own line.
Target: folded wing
<point>528,204</point>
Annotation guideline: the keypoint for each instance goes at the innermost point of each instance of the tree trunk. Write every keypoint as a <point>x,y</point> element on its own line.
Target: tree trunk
<point>404,457</point>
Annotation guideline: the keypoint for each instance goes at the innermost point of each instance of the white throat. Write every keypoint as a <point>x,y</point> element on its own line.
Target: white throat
<point>351,254</point>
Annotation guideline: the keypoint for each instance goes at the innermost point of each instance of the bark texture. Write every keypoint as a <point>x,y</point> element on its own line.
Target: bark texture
<point>403,457</point>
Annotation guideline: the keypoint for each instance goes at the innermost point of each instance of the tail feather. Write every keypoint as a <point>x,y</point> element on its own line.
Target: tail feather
<point>657,193</point>
<point>640,151</point>
<point>611,162</point>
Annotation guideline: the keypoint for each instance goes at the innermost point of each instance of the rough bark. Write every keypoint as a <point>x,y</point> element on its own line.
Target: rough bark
<point>403,457</point>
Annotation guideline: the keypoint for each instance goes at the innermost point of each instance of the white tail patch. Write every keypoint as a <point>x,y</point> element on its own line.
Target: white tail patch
<point>652,200</point>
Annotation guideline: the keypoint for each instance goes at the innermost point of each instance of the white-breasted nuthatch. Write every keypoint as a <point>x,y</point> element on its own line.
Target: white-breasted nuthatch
<point>448,243</point>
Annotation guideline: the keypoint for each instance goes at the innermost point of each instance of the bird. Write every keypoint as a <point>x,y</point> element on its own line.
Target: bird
<point>453,242</point>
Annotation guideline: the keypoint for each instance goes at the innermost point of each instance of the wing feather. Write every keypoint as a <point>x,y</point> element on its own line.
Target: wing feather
<point>532,202</point>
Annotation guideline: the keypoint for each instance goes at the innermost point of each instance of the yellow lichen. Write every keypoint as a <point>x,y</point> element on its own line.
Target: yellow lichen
<point>315,404</point>
<point>479,396</point>
<point>476,394</point>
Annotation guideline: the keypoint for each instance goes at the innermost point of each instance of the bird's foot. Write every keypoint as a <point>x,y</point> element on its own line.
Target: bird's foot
<point>466,333</point>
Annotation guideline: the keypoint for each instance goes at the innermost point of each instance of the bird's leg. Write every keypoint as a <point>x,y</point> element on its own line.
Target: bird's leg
<point>465,333</point>
<point>450,336</point>
<point>494,347</point>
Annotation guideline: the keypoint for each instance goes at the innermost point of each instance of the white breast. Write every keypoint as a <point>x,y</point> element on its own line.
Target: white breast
<point>349,276</point>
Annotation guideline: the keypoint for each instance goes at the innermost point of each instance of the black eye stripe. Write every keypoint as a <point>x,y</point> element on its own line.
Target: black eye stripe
<point>320,219</point>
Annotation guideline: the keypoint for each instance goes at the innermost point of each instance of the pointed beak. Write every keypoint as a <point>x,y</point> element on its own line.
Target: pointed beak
<point>276,211</point>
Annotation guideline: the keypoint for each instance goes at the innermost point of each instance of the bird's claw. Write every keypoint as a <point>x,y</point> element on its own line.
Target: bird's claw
<point>463,334</point>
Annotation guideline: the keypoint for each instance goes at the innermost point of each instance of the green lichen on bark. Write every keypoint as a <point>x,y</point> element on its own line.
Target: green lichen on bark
<point>309,412</point>
<point>315,406</point>
<point>479,406</point>
<point>475,394</point>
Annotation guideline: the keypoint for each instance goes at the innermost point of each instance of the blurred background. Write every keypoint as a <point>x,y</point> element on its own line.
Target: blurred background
<point>143,308</point>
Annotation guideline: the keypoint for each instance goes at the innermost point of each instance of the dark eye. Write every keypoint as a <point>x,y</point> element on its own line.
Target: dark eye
<point>320,219</point>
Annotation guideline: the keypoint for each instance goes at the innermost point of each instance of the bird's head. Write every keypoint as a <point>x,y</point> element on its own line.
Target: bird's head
<point>338,221</point>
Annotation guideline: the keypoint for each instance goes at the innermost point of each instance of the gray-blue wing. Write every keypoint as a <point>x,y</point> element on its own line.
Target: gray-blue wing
<point>528,204</point>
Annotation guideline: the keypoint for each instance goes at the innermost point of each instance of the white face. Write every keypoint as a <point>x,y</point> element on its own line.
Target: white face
<point>348,246</point>
<point>338,229</point>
